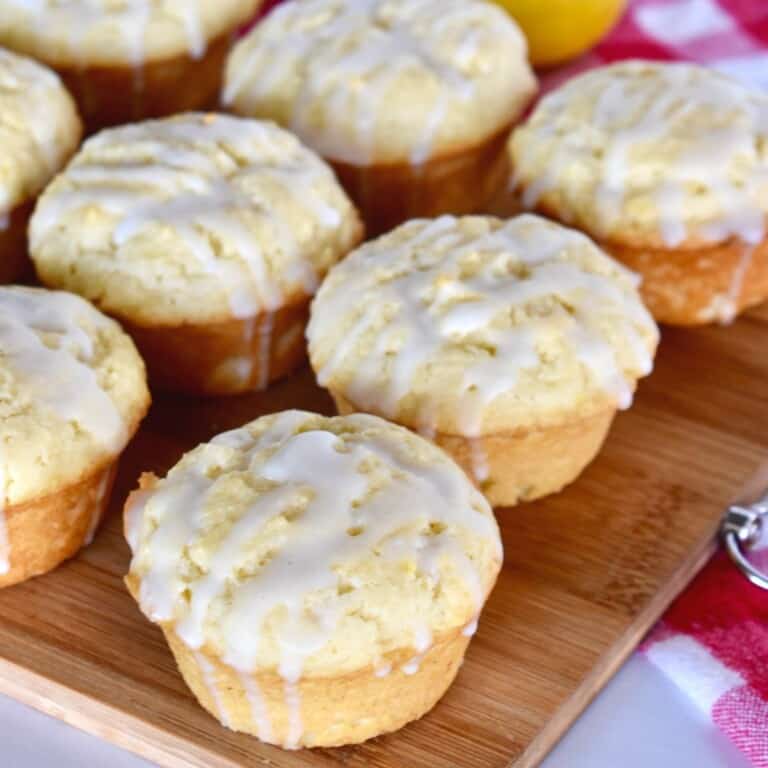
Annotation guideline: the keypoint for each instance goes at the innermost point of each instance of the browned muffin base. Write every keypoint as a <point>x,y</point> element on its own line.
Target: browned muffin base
<point>520,465</point>
<point>459,183</point>
<point>15,264</point>
<point>698,285</point>
<point>112,95</point>
<point>44,532</point>
<point>224,358</point>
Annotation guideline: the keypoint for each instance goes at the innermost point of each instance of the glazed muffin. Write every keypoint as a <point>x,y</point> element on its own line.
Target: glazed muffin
<point>511,344</point>
<point>411,101</point>
<point>317,579</point>
<point>72,394</point>
<point>205,235</point>
<point>666,166</point>
<point>39,132</point>
<point>131,60</point>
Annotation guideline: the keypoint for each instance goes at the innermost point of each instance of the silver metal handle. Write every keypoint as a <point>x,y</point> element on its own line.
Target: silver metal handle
<point>740,530</point>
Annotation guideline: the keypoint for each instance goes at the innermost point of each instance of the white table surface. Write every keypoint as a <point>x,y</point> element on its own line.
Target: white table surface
<point>640,721</point>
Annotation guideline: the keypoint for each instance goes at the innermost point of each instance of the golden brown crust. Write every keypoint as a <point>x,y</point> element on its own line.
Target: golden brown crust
<point>458,183</point>
<point>334,711</point>
<point>224,358</point>
<point>14,256</point>
<point>112,95</point>
<point>44,532</point>
<point>694,286</point>
<point>521,465</point>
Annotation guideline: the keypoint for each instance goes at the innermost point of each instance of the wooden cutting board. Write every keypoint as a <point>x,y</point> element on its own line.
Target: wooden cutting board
<point>586,574</point>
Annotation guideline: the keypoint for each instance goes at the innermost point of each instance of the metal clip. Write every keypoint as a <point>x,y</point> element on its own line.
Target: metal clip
<point>740,530</point>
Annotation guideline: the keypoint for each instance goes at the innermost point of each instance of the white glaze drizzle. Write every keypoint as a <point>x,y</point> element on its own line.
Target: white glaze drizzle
<point>208,676</point>
<point>479,458</point>
<point>724,307</point>
<point>714,126</point>
<point>258,706</point>
<point>5,548</point>
<point>292,697</point>
<point>382,669</point>
<point>27,316</point>
<point>98,507</point>
<point>352,59</point>
<point>265,348</point>
<point>132,17</point>
<point>201,197</point>
<point>471,628</point>
<point>304,564</point>
<point>26,91</point>
<point>403,309</point>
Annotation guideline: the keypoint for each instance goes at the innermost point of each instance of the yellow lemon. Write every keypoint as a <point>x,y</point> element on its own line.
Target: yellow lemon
<point>558,30</point>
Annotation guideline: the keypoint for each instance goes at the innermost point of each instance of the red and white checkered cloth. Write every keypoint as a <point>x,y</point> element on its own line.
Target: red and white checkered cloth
<point>713,641</point>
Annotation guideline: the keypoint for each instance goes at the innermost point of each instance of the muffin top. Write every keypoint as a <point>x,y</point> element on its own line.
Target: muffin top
<point>649,154</point>
<point>83,33</point>
<point>385,81</point>
<point>195,218</point>
<point>312,545</point>
<point>39,129</point>
<point>72,391</point>
<point>475,325</point>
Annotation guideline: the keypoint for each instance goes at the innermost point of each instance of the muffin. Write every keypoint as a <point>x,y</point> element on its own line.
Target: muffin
<point>72,394</point>
<point>666,167</point>
<point>317,579</point>
<point>39,131</point>
<point>127,61</point>
<point>205,235</point>
<point>411,101</point>
<point>510,344</point>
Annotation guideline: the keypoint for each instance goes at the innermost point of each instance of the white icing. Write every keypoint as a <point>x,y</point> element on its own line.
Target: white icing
<point>351,55</point>
<point>382,669</point>
<point>674,134</point>
<point>5,549</point>
<point>259,710</point>
<point>98,507</point>
<point>471,628</point>
<point>265,347</point>
<point>205,198</point>
<point>295,722</point>
<point>132,18</point>
<point>53,374</point>
<point>725,306</point>
<point>480,469</point>
<point>208,676</point>
<point>406,308</point>
<point>303,564</point>
<point>412,666</point>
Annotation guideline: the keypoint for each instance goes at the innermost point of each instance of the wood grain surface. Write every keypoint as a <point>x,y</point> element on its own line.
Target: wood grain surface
<point>586,574</point>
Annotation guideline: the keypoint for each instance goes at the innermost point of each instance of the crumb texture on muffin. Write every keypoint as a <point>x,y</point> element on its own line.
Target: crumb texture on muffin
<point>311,547</point>
<point>39,129</point>
<point>475,325</point>
<point>72,389</point>
<point>383,81</point>
<point>649,154</point>
<point>81,33</point>
<point>195,218</point>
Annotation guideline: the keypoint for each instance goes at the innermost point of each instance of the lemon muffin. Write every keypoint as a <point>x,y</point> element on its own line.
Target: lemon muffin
<point>666,166</point>
<point>72,393</point>
<point>511,344</point>
<point>410,100</point>
<point>39,131</point>
<point>205,235</point>
<point>129,59</point>
<point>317,579</point>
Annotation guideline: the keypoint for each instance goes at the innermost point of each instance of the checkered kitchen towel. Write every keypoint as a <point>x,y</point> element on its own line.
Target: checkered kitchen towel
<point>713,641</point>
